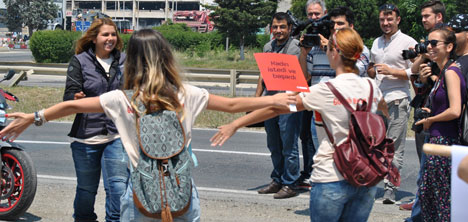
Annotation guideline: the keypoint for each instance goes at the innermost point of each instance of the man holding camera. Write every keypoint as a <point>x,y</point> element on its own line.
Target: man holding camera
<point>432,14</point>
<point>392,73</point>
<point>282,131</point>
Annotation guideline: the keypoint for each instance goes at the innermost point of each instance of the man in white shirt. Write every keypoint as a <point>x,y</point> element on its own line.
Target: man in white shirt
<point>392,74</point>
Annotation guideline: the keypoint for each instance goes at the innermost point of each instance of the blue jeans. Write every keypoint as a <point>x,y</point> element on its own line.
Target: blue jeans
<point>130,213</point>
<point>282,135</point>
<point>307,142</point>
<point>340,201</point>
<point>89,160</point>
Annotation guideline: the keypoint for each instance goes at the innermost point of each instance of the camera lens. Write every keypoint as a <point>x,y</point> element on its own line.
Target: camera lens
<point>409,54</point>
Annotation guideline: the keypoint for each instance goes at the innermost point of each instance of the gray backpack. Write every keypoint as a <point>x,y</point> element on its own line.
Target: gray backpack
<point>162,181</point>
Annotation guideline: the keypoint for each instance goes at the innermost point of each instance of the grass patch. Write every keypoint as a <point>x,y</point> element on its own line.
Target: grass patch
<point>219,59</point>
<point>32,99</point>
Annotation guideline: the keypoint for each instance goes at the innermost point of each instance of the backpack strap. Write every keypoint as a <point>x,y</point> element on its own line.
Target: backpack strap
<point>339,97</point>
<point>346,105</point>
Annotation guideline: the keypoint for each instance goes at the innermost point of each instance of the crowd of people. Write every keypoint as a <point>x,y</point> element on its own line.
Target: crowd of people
<point>104,139</point>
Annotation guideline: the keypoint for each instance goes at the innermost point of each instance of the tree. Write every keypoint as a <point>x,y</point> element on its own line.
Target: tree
<point>12,18</point>
<point>33,14</point>
<point>37,13</point>
<point>240,19</point>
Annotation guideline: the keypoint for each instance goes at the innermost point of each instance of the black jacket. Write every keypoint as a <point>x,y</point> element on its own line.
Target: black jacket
<point>86,74</point>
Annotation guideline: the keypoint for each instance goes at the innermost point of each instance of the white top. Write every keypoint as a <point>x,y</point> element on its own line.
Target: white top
<point>106,63</point>
<point>389,52</point>
<point>322,100</point>
<point>119,110</point>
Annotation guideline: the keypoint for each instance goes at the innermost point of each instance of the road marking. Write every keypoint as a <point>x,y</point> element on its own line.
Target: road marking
<point>41,142</point>
<point>196,150</point>
<point>206,189</point>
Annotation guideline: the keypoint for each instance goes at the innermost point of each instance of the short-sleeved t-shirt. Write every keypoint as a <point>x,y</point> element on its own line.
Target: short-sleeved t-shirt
<point>119,110</point>
<point>336,117</point>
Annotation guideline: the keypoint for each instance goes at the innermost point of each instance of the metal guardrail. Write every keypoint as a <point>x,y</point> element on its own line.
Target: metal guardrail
<point>231,78</point>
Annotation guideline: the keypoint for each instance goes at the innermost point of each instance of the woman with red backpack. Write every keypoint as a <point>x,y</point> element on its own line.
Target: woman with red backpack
<point>332,198</point>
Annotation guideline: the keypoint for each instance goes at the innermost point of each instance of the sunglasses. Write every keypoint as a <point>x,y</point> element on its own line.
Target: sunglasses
<point>434,42</point>
<point>389,7</point>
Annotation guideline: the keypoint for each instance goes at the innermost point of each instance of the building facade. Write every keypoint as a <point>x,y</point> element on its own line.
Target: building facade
<point>141,13</point>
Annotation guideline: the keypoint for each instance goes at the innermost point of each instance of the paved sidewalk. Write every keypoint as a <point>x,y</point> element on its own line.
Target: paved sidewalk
<point>54,202</point>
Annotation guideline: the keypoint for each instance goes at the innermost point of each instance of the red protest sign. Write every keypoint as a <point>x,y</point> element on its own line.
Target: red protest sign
<point>281,72</point>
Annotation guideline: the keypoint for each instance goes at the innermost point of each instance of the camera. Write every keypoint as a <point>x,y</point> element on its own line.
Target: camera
<point>412,53</point>
<point>313,27</point>
<point>419,114</point>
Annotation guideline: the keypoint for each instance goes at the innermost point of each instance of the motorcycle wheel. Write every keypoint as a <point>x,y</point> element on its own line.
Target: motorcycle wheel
<point>18,184</point>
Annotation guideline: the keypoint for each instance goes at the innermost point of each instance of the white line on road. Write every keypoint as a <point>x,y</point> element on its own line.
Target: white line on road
<point>207,189</point>
<point>196,150</point>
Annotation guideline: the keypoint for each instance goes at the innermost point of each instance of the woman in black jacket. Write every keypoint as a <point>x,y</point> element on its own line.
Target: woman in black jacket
<point>96,68</point>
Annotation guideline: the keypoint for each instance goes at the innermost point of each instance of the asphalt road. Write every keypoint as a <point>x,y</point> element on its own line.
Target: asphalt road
<point>16,55</point>
<point>227,178</point>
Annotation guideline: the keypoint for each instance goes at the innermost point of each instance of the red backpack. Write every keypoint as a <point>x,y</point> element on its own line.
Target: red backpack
<point>365,158</point>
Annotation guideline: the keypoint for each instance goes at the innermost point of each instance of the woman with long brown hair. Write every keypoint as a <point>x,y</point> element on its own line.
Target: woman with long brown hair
<point>151,72</point>
<point>332,198</point>
<point>96,68</point>
<point>445,104</point>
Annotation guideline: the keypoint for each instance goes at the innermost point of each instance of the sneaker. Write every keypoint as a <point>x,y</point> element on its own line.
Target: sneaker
<point>285,192</point>
<point>389,196</point>
<point>303,184</point>
<point>407,206</point>
<point>273,187</point>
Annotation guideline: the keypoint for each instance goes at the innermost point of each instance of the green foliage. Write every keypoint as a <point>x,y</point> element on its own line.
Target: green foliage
<point>262,40</point>
<point>125,38</point>
<point>53,46</point>
<point>298,9</point>
<point>182,37</point>
<point>33,14</point>
<point>12,18</point>
<point>239,19</point>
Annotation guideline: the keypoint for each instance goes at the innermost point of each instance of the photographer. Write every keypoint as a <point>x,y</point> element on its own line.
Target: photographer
<point>392,73</point>
<point>433,14</point>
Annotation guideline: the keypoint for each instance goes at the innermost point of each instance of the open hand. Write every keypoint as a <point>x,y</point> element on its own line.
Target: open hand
<point>225,132</point>
<point>15,128</point>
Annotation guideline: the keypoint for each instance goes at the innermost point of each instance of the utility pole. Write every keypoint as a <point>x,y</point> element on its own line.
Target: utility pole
<point>166,11</point>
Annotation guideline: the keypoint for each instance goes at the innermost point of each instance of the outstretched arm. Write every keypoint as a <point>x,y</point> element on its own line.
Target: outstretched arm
<point>226,131</point>
<point>23,120</point>
<point>243,104</point>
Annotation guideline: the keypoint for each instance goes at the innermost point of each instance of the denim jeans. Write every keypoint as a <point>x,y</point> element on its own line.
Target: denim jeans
<point>282,135</point>
<point>130,213</point>
<point>308,140</point>
<point>89,160</point>
<point>340,201</point>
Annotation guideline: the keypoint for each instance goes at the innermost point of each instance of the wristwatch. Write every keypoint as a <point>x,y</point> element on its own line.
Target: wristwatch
<point>37,119</point>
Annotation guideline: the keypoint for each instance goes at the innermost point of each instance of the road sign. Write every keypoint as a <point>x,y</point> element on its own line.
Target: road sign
<point>82,25</point>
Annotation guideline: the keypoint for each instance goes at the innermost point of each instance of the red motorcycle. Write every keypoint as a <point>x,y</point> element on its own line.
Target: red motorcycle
<point>18,178</point>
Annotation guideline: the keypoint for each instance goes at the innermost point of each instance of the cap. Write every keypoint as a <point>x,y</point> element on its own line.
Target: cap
<point>459,23</point>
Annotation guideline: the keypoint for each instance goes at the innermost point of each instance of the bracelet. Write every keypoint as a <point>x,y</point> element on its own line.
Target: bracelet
<point>42,116</point>
<point>39,118</point>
